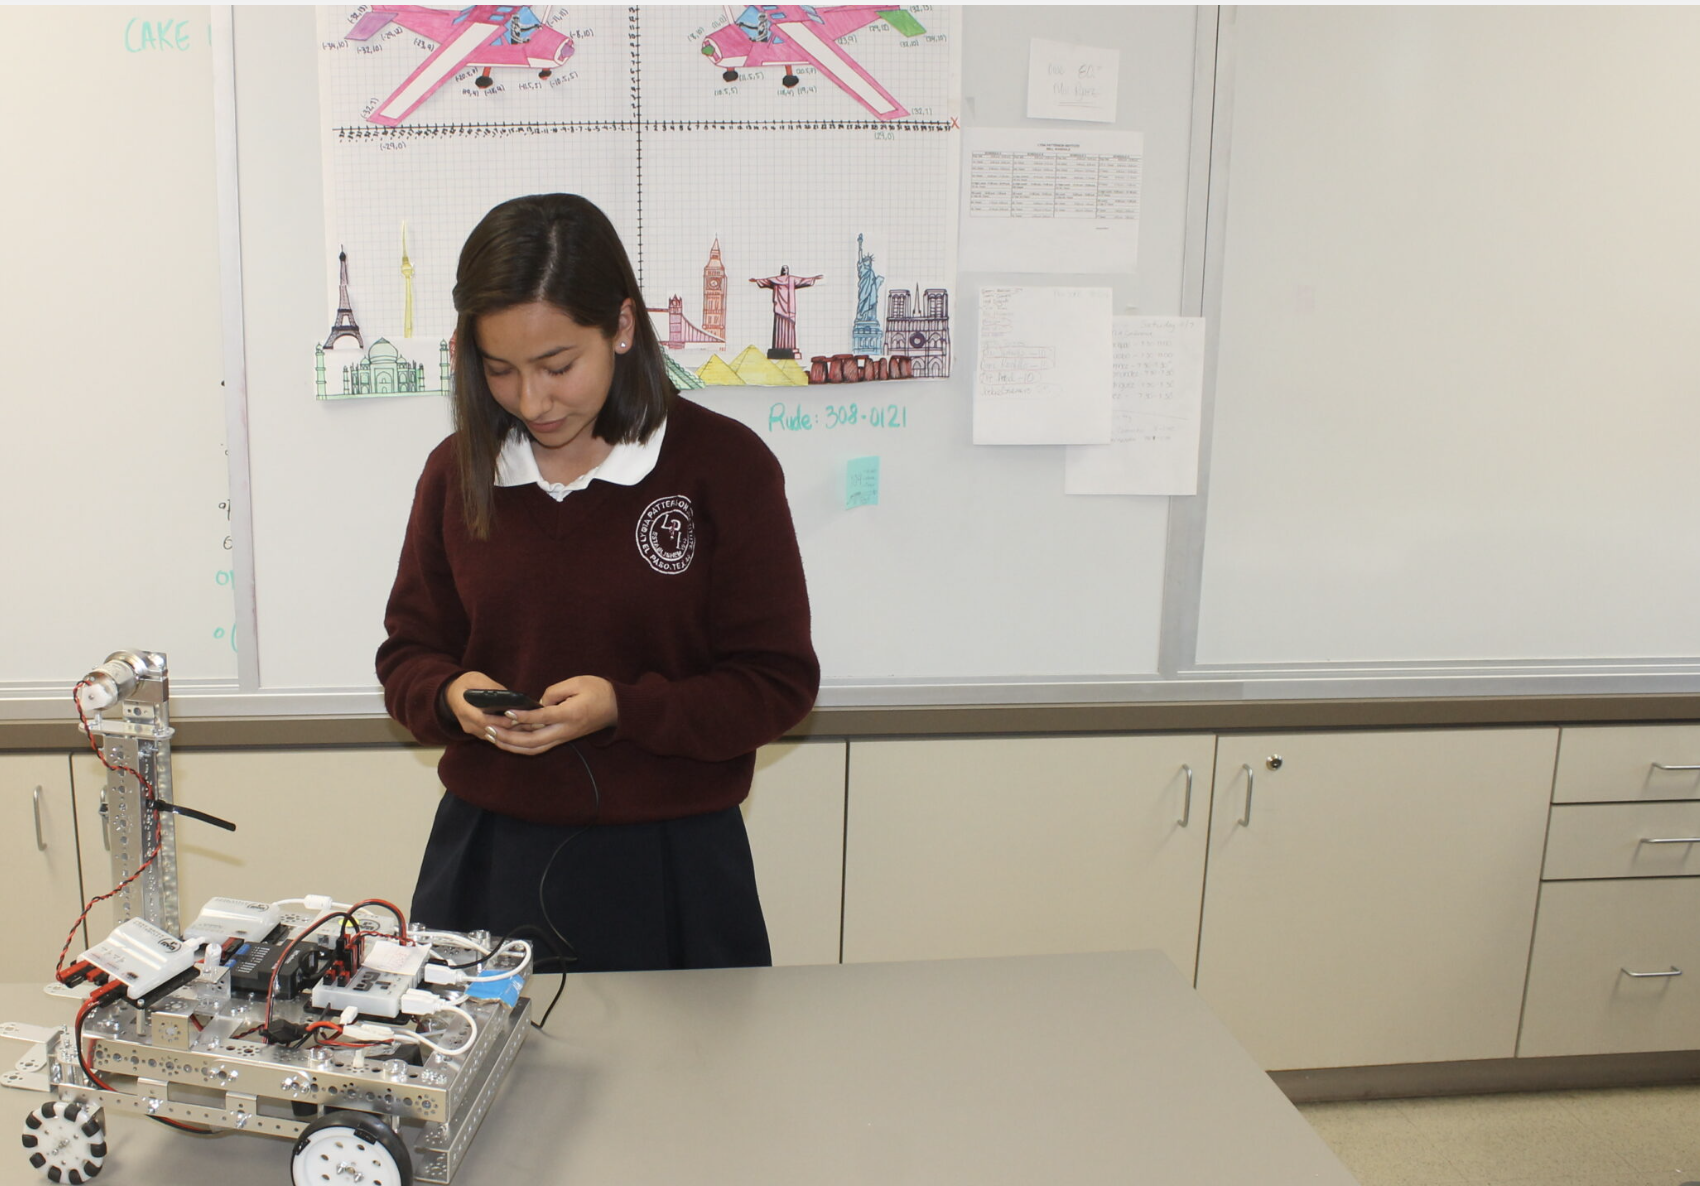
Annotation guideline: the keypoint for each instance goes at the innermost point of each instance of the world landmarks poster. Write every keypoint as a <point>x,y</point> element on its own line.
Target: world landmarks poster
<point>784,178</point>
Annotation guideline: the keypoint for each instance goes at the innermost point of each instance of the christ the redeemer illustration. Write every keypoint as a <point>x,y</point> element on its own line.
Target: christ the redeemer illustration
<point>784,287</point>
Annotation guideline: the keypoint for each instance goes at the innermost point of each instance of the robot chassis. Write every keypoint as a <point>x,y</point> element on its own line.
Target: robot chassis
<point>380,1113</point>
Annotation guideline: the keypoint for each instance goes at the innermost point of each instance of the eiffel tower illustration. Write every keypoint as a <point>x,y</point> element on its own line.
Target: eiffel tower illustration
<point>345,325</point>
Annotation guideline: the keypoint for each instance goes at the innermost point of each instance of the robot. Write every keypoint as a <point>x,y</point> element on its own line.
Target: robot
<point>374,1046</point>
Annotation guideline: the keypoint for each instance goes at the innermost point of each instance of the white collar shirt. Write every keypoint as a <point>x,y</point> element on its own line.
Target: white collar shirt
<point>626,465</point>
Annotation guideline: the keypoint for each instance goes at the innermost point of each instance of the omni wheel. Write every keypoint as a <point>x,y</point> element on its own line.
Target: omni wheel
<point>344,1148</point>
<point>66,1142</point>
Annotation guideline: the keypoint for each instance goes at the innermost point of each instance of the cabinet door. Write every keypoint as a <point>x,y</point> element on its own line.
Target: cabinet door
<point>795,817</point>
<point>347,822</point>
<point>1616,968</point>
<point>39,881</point>
<point>1377,904</point>
<point>1024,846</point>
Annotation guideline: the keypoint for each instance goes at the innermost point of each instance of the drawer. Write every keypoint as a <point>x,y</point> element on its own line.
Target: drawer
<point>1606,764</point>
<point>1615,840</point>
<point>1581,999</point>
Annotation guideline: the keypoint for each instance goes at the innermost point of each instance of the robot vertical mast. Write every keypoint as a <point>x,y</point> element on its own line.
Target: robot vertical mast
<point>126,701</point>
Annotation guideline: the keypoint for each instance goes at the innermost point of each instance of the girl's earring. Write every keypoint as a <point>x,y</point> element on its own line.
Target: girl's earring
<point>622,345</point>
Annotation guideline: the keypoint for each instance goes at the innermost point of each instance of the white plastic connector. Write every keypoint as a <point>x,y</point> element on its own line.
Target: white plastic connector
<point>367,1031</point>
<point>438,974</point>
<point>420,1002</point>
<point>318,903</point>
<point>348,1016</point>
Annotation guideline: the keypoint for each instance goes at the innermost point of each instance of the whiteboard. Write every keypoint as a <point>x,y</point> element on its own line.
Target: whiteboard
<point>974,572</point>
<point>113,405</point>
<point>1455,382</point>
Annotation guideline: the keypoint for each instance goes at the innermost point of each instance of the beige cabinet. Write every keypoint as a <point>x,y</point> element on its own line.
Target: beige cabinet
<point>347,822</point>
<point>39,882</point>
<point>1370,896</point>
<point>795,818</point>
<point>1004,846</point>
<point>1616,961</point>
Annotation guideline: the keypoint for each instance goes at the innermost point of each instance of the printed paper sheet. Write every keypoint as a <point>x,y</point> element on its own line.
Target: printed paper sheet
<point>1157,392</point>
<point>1044,367</point>
<point>1051,201</point>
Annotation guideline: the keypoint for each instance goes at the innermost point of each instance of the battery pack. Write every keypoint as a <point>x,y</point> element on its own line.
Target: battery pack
<point>142,956</point>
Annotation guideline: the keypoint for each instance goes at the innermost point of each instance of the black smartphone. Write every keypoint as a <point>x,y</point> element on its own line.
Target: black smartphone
<point>498,699</point>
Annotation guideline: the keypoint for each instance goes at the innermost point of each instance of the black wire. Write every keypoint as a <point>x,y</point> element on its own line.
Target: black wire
<point>401,923</point>
<point>542,902</point>
<point>543,939</point>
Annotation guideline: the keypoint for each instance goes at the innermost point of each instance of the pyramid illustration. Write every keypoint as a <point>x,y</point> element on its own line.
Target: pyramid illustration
<point>756,368</point>
<point>793,371</point>
<point>715,373</point>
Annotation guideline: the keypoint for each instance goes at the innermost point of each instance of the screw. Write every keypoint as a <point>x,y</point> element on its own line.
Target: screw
<point>1275,761</point>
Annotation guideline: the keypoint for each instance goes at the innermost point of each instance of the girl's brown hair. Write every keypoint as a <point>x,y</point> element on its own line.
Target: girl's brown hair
<point>560,249</point>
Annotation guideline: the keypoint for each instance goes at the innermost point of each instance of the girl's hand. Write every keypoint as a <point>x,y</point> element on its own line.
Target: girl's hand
<point>571,709</point>
<point>472,720</point>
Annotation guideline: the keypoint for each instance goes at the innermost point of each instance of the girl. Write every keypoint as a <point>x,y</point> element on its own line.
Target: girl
<point>591,539</point>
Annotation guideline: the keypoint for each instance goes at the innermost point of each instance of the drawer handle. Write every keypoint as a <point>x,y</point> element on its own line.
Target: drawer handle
<point>1675,971</point>
<point>1668,766</point>
<point>1186,812</point>
<point>1673,840</point>
<point>40,841</point>
<point>1250,784</point>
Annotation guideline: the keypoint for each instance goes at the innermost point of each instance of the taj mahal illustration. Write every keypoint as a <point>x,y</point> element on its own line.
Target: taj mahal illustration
<point>383,370</point>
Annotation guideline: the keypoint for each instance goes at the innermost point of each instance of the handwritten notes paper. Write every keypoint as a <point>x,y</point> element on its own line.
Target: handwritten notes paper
<point>1072,81</point>
<point>1156,394</point>
<point>1060,201</point>
<point>862,483</point>
<point>1044,368</point>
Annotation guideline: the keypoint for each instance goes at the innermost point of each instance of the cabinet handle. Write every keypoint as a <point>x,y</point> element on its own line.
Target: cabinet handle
<point>1250,782</point>
<point>40,841</point>
<point>1674,971</point>
<point>1186,812</point>
<point>1668,766</point>
<point>1673,840</point>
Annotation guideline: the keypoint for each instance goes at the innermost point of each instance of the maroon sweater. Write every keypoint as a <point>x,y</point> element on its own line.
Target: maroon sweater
<point>685,591</point>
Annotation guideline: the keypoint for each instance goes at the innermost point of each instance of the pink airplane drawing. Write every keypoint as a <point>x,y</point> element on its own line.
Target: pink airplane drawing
<point>484,35</point>
<point>791,35</point>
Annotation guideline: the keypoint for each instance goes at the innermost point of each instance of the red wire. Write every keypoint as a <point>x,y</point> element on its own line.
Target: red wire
<point>159,837</point>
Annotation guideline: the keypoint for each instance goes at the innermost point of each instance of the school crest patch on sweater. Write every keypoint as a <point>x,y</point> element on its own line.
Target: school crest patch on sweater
<point>667,534</point>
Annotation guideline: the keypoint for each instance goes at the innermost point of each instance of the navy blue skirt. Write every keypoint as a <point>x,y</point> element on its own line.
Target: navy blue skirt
<point>616,898</point>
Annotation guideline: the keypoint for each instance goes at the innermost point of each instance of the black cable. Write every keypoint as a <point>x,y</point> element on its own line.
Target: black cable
<point>160,805</point>
<point>571,955</point>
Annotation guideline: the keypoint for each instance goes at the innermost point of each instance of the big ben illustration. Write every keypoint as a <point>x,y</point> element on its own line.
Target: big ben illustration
<point>714,295</point>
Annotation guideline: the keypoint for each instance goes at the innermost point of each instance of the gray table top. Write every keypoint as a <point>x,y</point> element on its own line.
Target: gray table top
<point>1081,1069</point>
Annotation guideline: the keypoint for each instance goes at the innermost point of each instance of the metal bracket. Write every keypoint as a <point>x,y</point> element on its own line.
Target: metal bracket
<point>30,1073</point>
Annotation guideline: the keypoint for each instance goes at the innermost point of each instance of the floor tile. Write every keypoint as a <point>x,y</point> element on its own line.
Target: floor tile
<point>1509,1137</point>
<point>1631,1178</point>
<point>1379,1144</point>
<point>1654,1129</point>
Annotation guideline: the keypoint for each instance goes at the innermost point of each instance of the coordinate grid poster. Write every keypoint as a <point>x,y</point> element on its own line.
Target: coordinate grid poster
<point>784,178</point>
